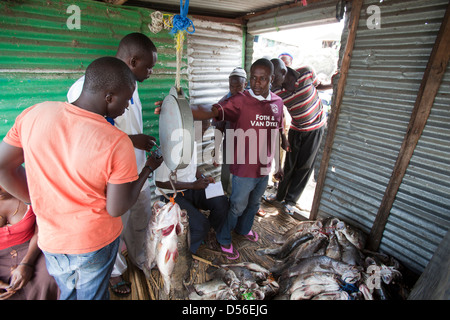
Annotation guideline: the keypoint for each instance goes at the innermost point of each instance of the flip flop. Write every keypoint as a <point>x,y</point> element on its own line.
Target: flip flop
<point>271,198</point>
<point>261,213</point>
<point>289,209</point>
<point>252,236</point>
<point>232,254</point>
<point>120,284</point>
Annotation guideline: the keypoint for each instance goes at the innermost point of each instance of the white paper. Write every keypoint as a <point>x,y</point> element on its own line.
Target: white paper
<point>214,190</point>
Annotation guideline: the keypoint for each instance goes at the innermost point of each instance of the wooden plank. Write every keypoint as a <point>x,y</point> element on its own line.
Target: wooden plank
<point>336,108</point>
<point>431,82</point>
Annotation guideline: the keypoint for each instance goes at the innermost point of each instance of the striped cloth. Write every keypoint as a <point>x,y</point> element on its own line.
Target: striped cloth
<point>303,104</point>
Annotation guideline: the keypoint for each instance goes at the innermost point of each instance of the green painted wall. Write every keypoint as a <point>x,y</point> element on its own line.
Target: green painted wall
<point>40,57</point>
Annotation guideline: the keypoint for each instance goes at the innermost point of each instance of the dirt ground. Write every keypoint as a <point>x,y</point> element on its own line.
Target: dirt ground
<point>274,224</point>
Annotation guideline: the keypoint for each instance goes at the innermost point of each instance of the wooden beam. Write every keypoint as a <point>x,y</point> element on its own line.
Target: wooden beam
<point>336,107</point>
<point>238,21</point>
<point>429,87</point>
<point>248,16</point>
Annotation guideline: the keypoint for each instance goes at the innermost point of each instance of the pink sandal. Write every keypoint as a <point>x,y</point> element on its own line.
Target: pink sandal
<point>252,236</point>
<point>232,254</point>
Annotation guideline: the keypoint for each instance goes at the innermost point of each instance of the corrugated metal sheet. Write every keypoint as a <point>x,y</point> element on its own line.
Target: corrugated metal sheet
<point>40,57</point>
<point>313,14</point>
<point>421,211</point>
<point>384,77</point>
<point>221,8</point>
<point>214,50</point>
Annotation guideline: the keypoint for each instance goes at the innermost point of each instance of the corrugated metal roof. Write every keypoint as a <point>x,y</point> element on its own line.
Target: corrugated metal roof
<point>284,19</point>
<point>221,8</point>
<point>385,73</point>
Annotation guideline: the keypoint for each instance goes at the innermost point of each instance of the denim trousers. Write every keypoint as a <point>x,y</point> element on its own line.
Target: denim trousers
<point>245,200</point>
<point>83,276</point>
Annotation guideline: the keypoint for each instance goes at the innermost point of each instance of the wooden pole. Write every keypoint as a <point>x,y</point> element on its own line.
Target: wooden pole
<point>336,108</point>
<point>431,82</point>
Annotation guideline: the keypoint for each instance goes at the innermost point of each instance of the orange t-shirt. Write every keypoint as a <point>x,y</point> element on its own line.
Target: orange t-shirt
<point>70,156</point>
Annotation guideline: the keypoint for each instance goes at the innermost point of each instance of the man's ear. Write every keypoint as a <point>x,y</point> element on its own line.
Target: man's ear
<point>108,98</point>
<point>133,62</point>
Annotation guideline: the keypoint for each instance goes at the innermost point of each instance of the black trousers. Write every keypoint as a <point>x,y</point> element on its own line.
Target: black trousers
<point>299,164</point>
<point>199,225</point>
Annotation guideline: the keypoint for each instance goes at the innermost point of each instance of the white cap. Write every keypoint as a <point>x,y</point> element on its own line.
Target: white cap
<point>238,71</point>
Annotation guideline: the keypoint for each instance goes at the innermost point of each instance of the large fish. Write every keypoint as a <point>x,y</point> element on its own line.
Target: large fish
<point>354,235</point>
<point>350,253</point>
<point>299,230</point>
<point>313,278</point>
<point>162,240</point>
<point>181,275</point>
<point>334,295</point>
<point>221,294</point>
<point>334,250</point>
<point>310,291</point>
<point>284,250</point>
<point>305,250</point>
<point>321,264</point>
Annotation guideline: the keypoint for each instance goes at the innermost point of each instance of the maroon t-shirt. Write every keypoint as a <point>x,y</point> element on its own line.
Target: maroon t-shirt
<point>253,141</point>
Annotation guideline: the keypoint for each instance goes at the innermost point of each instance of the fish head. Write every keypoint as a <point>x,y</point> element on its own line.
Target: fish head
<point>355,236</point>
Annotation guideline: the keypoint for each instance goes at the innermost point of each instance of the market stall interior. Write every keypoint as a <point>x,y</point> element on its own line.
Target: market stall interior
<point>373,220</point>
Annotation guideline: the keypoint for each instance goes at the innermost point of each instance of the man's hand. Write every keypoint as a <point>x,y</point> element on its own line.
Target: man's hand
<point>5,291</point>
<point>153,161</point>
<point>158,108</point>
<point>201,183</point>
<point>285,143</point>
<point>142,141</point>
<point>279,175</point>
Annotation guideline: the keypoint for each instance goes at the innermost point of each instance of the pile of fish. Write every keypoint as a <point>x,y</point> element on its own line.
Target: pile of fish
<point>325,259</point>
<point>240,281</point>
<point>167,245</point>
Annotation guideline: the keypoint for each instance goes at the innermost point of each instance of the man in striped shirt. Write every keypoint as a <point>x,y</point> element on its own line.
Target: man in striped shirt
<point>298,89</point>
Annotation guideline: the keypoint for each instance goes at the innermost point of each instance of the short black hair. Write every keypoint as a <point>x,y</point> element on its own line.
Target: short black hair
<point>108,73</point>
<point>135,44</point>
<point>264,63</point>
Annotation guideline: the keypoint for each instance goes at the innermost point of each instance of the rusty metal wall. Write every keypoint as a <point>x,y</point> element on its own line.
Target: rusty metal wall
<point>421,211</point>
<point>385,73</point>
<point>213,51</point>
<point>313,14</point>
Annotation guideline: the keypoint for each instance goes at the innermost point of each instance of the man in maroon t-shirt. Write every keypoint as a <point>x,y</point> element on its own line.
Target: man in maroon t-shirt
<point>257,117</point>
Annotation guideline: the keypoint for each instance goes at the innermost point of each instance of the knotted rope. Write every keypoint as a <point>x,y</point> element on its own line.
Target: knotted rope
<point>179,25</point>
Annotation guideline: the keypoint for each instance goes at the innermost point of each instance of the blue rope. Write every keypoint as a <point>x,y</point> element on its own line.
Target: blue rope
<point>180,21</point>
<point>348,287</point>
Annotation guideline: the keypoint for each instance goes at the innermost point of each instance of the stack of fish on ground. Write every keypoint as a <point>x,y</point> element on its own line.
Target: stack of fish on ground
<point>239,281</point>
<point>325,260</point>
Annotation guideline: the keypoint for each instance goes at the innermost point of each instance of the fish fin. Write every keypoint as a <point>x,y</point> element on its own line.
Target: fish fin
<point>167,256</point>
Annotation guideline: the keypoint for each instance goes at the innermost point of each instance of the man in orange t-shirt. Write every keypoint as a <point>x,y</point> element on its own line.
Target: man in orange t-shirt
<point>81,176</point>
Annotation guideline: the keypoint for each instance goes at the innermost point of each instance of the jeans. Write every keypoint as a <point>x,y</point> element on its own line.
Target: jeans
<point>83,276</point>
<point>245,200</point>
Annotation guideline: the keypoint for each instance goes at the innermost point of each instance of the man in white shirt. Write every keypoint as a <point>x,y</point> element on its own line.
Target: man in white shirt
<point>191,196</point>
<point>140,54</point>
